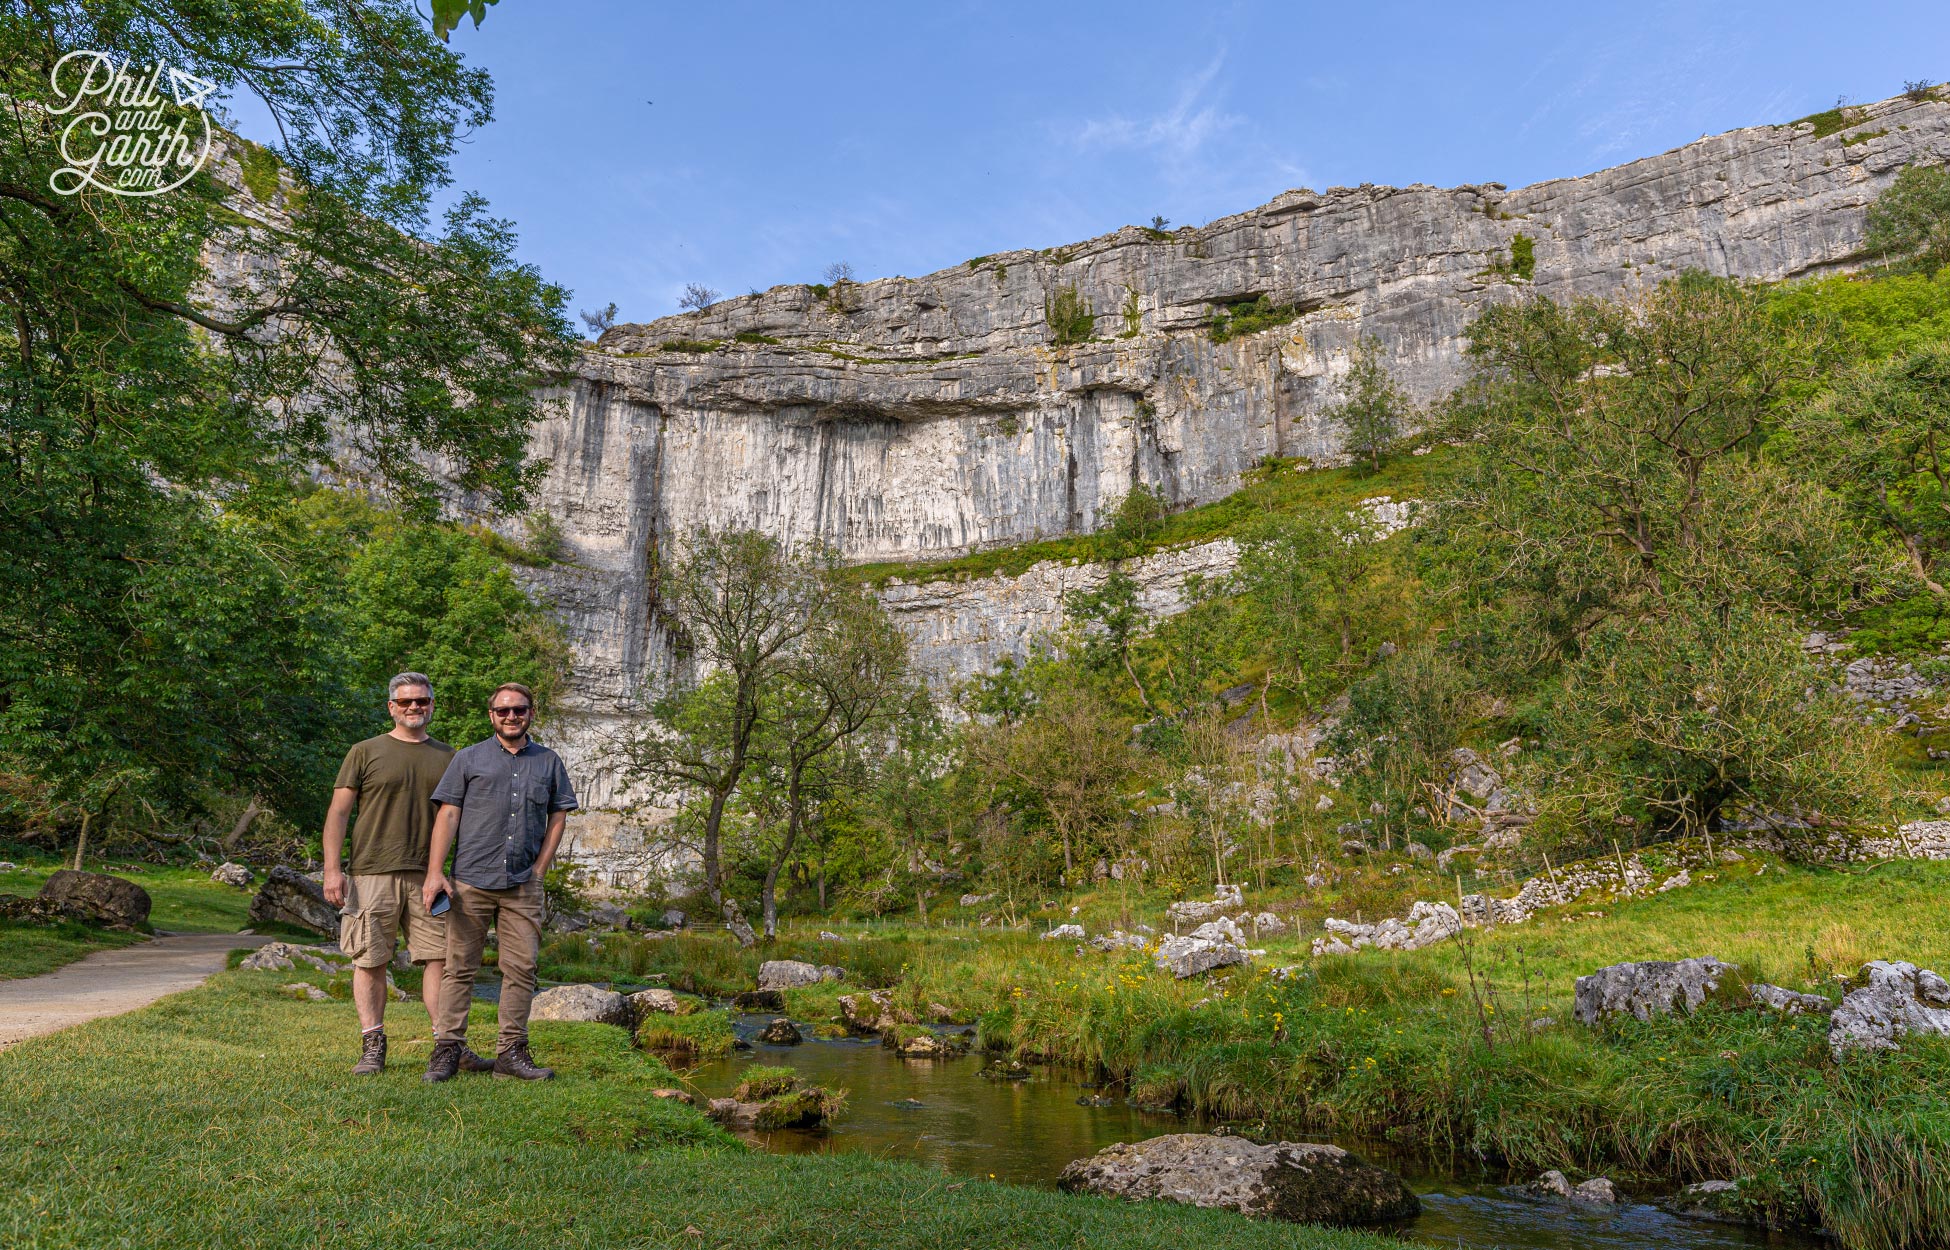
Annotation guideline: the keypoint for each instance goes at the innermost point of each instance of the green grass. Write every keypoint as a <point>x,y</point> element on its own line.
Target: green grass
<point>1276,487</point>
<point>1826,122</point>
<point>1250,317</point>
<point>699,1035</point>
<point>225,1118</point>
<point>182,900</point>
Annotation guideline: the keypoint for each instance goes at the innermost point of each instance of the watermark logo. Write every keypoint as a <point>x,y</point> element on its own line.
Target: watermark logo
<point>125,137</point>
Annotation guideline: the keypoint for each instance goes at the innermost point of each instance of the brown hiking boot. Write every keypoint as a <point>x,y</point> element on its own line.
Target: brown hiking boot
<point>372,1054</point>
<point>444,1062</point>
<point>471,1062</point>
<point>515,1062</point>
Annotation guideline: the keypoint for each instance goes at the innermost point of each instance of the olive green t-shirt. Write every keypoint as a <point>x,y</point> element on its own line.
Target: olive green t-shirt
<point>394,828</point>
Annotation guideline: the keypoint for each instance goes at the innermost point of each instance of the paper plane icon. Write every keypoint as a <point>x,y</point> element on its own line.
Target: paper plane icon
<point>189,90</point>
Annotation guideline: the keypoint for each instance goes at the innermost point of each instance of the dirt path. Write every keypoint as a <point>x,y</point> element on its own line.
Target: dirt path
<point>108,983</point>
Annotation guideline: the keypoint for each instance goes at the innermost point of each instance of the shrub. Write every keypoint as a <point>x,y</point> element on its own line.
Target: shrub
<point>1070,317</point>
<point>1250,317</point>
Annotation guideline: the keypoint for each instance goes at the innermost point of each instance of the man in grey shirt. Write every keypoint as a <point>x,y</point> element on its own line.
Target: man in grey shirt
<point>503,804</point>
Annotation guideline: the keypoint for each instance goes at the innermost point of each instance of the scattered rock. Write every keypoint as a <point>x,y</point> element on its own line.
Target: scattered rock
<point>824,936</point>
<point>1304,1183</point>
<point>742,931</point>
<point>585,1003</point>
<point>673,918</point>
<point>658,1001</point>
<point>284,956</point>
<point>675,1095</point>
<point>1189,956</point>
<point>781,1032</point>
<point>7,865</point>
<point>1065,932</point>
<point>306,990</point>
<point>1653,987</point>
<point>922,1044</point>
<point>1417,850</point>
<point>1678,881</point>
<point>907,1104</point>
<point>1225,898</point>
<point>289,897</point>
<point>865,1015</point>
<point>1117,939</point>
<point>102,898</point>
<point>1596,1192</point>
<point>229,873</point>
<point>758,1000</point>
<point>1899,999</point>
<point>1789,1002</point>
<point>1711,1200</point>
<point>790,974</point>
<point>1267,923</point>
<point>1427,924</point>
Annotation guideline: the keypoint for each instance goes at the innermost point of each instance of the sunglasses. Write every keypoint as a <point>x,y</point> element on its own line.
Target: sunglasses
<point>412,702</point>
<point>508,711</point>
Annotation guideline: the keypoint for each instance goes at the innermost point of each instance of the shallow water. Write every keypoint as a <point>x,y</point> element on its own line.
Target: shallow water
<point>1026,1131</point>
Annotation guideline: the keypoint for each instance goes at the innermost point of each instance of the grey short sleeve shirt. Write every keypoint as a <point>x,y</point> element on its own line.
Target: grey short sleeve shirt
<point>505,800</point>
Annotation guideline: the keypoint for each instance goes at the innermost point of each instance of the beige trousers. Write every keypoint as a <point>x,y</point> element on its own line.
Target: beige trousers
<point>515,914</point>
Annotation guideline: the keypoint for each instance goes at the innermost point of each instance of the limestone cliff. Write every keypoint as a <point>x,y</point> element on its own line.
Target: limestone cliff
<point>915,418</point>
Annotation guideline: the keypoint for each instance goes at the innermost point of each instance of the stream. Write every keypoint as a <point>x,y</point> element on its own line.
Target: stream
<point>1025,1131</point>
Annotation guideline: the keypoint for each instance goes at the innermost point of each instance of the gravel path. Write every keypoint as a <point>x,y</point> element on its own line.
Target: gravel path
<point>108,983</point>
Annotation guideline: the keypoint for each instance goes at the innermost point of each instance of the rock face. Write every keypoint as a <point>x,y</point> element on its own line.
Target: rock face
<point>1899,999</point>
<point>916,418</point>
<point>582,1003</point>
<point>98,896</point>
<point>1643,990</point>
<point>1305,1183</point>
<point>289,897</point>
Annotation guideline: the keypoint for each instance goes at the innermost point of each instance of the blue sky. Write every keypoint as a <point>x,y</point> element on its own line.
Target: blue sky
<point>642,146</point>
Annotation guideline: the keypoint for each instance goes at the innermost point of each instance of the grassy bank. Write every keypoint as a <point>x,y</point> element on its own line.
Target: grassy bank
<point>252,1136</point>
<point>1404,1046</point>
<point>182,900</point>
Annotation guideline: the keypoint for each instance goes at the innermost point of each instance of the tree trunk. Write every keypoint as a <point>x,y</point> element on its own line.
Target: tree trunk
<point>81,843</point>
<point>713,821</point>
<point>252,810</point>
<point>769,892</point>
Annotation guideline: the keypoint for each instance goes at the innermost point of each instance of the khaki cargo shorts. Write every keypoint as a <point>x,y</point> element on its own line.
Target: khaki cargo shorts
<point>377,907</point>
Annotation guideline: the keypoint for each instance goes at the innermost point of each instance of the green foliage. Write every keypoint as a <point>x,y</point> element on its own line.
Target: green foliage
<point>1402,721</point>
<point>1312,596</point>
<point>1244,317</point>
<point>1914,624</point>
<point>694,346</point>
<point>700,1035</point>
<point>1828,121</point>
<point>753,336</point>
<point>1523,256</point>
<point>1682,718</point>
<point>1133,315</point>
<point>1875,315</point>
<point>820,290</point>
<point>435,600</point>
<point>1374,411</point>
<point>1863,136</point>
<point>163,635</point>
<point>260,168</point>
<point>1909,224</point>
<point>762,1081</point>
<point>1069,316</point>
<point>447,14</point>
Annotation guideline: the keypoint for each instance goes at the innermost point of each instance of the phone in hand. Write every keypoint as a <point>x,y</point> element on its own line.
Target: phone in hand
<point>441,902</point>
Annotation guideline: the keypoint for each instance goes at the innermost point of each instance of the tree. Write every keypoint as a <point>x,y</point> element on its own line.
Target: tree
<point>1613,467</point>
<point>1159,222</point>
<point>1069,757</point>
<point>1307,589</point>
<point>600,320</point>
<point>1109,620</point>
<point>1909,224</point>
<point>740,604</point>
<point>842,679</point>
<point>1373,412</point>
<point>1682,718</point>
<point>838,274</point>
<point>1881,441</point>
<point>158,405</point>
<point>697,297</point>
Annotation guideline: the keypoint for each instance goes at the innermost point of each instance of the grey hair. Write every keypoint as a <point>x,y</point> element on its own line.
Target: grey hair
<point>408,679</point>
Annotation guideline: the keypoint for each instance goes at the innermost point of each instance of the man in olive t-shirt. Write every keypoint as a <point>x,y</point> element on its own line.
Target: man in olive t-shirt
<point>390,779</point>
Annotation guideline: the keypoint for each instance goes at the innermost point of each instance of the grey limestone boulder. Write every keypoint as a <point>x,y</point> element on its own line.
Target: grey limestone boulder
<point>587,1004</point>
<point>1898,1000</point>
<point>289,897</point>
<point>788,974</point>
<point>100,897</point>
<point>1189,956</point>
<point>286,956</point>
<point>1301,1182</point>
<point>781,1032</point>
<point>1711,1200</point>
<point>1643,990</point>
<point>231,873</point>
<point>1790,1002</point>
<point>1596,1192</point>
